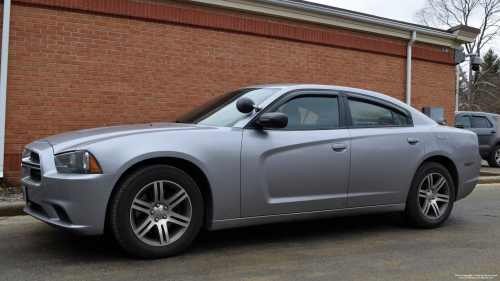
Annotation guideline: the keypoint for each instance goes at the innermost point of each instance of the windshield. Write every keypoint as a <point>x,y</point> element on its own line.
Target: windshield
<point>221,110</point>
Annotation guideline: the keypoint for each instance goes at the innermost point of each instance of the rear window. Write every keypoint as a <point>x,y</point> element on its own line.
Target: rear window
<point>481,122</point>
<point>367,114</point>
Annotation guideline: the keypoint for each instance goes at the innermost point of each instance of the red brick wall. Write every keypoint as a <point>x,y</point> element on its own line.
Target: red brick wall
<point>72,69</point>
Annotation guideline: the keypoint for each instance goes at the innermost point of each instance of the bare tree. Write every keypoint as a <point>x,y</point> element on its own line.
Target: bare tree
<point>448,13</point>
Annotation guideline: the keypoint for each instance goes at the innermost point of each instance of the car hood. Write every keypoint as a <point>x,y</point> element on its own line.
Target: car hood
<point>71,140</point>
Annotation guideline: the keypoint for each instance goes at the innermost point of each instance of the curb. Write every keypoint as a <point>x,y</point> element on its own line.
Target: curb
<point>488,174</point>
<point>11,208</point>
<point>486,180</point>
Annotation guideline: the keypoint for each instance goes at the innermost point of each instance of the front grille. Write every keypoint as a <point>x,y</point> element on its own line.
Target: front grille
<point>39,209</point>
<point>36,175</point>
<point>30,167</point>
<point>34,157</point>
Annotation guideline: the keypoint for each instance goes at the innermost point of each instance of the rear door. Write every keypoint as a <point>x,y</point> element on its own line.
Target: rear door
<point>484,130</point>
<point>385,151</point>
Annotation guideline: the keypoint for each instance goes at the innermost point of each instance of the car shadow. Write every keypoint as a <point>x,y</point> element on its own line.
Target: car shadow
<point>299,231</point>
<point>49,243</point>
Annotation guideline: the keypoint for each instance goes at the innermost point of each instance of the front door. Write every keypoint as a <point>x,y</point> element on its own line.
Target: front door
<point>302,167</point>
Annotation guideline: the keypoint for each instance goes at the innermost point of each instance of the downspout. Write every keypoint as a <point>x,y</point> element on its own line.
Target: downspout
<point>408,67</point>
<point>3,78</point>
<point>457,86</point>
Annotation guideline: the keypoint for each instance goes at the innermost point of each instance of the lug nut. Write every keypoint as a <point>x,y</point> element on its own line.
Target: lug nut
<point>165,207</point>
<point>164,216</point>
<point>152,212</point>
<point>157,205</point>
<point>156,219</point>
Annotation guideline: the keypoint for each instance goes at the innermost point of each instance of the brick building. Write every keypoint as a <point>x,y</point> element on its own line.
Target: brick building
<point>77,64</point>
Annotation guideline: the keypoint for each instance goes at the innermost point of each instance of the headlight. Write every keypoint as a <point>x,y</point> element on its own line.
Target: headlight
<point>78,162</point>
<point>26,154</point>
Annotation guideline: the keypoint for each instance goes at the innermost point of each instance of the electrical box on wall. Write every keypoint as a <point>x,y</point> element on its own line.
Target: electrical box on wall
<point>434,113</point>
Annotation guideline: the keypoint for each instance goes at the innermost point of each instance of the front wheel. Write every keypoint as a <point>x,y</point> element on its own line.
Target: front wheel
<point>156,212</point>
<point>494,157</point>
<point>431,197</point>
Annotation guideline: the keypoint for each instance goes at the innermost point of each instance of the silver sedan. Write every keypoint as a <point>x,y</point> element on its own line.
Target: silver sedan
<point>261,154</point>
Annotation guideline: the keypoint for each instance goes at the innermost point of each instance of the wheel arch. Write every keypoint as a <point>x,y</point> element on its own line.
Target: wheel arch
<point>195,172</point>
<point>449,165</point>
<point>495,143</point>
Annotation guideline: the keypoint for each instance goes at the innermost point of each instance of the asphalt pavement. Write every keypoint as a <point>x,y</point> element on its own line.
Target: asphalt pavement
<point>373,247</point>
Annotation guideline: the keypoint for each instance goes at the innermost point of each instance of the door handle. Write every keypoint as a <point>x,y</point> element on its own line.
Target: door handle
<point>413,140</point>
<point>339,146</point>
<point>493,132</point>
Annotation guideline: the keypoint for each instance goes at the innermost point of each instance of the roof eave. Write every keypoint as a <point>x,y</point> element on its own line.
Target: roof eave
<point>361,17</point>
<point>465,33</point>
<point>321,14</point>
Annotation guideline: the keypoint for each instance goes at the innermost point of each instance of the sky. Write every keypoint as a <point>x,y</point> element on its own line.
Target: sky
<point>402,10</point>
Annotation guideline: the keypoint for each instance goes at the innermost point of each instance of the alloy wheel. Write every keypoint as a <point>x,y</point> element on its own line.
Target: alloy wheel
<point>434,196</point>
<point>497,156</point>
<point>160,213</point>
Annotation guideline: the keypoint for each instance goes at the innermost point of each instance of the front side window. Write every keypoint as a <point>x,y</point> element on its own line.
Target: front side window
<point>221,111</point>
<point>366,114</point>
<point>464,120</point>
<point>311,112</point>
<point>481,122</point>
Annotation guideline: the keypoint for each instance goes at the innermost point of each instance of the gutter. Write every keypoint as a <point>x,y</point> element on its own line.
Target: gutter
<point>361,17</point>
<point>3,79</point>
<point>408,67</point>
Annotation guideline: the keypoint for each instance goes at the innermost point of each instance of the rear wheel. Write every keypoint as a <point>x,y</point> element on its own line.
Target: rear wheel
<point>431,197</point>
<point>494,158</point>
<point>156,212</point>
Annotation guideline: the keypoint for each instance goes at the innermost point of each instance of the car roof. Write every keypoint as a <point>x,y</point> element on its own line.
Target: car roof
<point>332,87</point>
<point>475,112</point>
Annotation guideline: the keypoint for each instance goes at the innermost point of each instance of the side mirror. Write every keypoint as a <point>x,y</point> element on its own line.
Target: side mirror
<point>442,121</point>
<point>460,126</point>
<point>273,120</point>
<point>246,105</point>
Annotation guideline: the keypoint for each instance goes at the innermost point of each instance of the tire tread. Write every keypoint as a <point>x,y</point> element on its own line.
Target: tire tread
<point>491,158</point>
<point>117,195</point>
<point>412,213</point>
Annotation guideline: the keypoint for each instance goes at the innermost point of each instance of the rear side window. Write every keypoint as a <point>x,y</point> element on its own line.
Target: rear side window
<point>481,122</point>
<point>464,120</point>
<point>311,112</point>
<point>399,119</point>
<point>366,114</point>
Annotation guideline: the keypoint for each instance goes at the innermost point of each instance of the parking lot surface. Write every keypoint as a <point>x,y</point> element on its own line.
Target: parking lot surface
<point>374,247</point>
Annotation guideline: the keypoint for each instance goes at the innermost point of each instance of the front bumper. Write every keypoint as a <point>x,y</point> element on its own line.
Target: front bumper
<point>75,202</point>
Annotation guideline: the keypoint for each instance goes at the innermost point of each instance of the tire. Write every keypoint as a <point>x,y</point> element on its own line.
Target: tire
<point>424,208</point>
<point>492,158</point>
<point>177,215</point>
